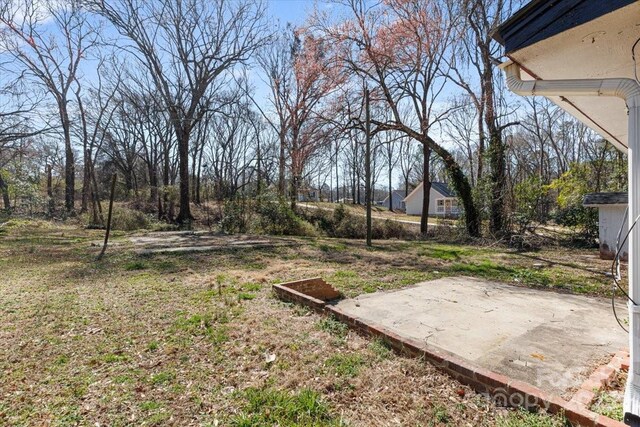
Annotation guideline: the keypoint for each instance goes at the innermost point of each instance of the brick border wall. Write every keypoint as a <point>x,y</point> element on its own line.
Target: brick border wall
<point>503,390</point>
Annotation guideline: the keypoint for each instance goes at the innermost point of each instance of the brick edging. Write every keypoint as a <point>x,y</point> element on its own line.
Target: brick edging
<point>600,378</point>
<point>501,388</point>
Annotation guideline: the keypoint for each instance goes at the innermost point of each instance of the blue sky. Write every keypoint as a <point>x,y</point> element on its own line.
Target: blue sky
<point>294,11</point>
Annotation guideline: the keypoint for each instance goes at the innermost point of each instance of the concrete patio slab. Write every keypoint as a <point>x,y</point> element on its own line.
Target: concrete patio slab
<point>200,241</point>
<point>546,339</point>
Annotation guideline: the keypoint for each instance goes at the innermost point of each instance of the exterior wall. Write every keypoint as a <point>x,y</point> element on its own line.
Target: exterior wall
<point>397,202</point>
<point>414,203</point>
<point>609,221</point>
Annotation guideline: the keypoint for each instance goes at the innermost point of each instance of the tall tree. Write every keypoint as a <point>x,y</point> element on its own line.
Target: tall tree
<point>400,48</point>
<point>301,79</point>
<point>188,47</point>
<point>48,40</point>
<point>476,51</point>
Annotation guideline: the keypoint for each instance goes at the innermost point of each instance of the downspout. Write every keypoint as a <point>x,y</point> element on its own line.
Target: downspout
<point>629,91</point>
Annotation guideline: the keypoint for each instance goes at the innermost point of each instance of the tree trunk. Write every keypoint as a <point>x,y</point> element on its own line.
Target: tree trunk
<point>463,189</point>
<point>497,222</point>
<point>4,188</point>
<point>69,166</point>
<point>390,185</point>
<point>184,216</point>
<point>367,164</point>
<point>337,181</point>
<point>281,166</point>
<point>50,201</point>
<point>86,180</point>
<point>426,190</point>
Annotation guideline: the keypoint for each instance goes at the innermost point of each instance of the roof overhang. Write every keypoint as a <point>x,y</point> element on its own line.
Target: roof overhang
<point>578,39</point>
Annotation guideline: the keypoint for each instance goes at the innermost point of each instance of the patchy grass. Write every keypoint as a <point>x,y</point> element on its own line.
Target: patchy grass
<point>522,418</point>
<point>269,407</point>
<point>609,401</point>
<point>189,339</point>
<point>334,327</point>
<point>345,365</point>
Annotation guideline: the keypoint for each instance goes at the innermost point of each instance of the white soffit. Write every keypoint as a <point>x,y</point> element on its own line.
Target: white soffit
<point>597,49</point>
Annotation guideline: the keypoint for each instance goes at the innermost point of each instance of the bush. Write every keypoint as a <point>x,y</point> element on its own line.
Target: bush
<point>236,216</point>
<point>580,218</point>
<point>343,224</point>
<point>277,217</point>
<point>265,215</point>
<point>126,219</point>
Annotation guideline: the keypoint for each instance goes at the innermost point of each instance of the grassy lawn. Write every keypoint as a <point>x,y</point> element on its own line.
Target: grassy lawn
<point>199,339</point>
<point>381,213</point>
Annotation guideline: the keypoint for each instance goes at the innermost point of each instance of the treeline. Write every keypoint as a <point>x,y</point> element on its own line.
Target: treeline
<point>198,101</point>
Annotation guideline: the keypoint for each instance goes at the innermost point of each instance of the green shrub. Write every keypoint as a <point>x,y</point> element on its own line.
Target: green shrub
<point>343,224</point>
<point>580,218</point>
<point>236,216</point>
<point>267,215</point>
<point>277,217</point>
<point>126,219</point>
<point>269,407</point>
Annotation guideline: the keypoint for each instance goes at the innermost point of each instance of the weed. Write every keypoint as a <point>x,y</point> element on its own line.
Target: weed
<point>251,287</point>
<point>245,296</point>
<point>114,358</point>
<point>135,265</point>
<point>441,415</point>
<point>268,407</point>
<point>523,418</point>
<point>162,378</point>
<point>608,405</point>
<point>203,325</point>
<point>380,348</point>
<point>345,365</point>
<point>333,326</point>
<point>150,405</point>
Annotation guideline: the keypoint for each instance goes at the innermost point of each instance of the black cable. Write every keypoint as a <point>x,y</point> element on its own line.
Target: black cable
<point>615,314</point>
<point>615,269</point>
<point>616,258</point>
<point>633,57</point>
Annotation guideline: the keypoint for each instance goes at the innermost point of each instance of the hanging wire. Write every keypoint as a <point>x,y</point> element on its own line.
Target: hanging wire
<point>635,62</point>
<point>617,275</point>
<point>615,267</point>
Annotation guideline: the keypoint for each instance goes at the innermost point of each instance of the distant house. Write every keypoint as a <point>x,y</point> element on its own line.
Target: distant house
<point>611,217</point>
<point>442,201</point>
<point>397,200</point>
<point>308,195</point>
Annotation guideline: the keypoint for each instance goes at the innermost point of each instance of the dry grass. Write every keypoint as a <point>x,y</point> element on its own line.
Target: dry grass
<point>190,339</point>
<point>380,212</point>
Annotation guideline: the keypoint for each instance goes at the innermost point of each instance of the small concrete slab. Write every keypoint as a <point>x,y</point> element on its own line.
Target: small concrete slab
<point>200,241</point>
<point>544,338</point>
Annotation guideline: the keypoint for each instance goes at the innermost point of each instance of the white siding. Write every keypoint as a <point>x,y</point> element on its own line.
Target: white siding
<point>414,202</point>
<point>611,218</point>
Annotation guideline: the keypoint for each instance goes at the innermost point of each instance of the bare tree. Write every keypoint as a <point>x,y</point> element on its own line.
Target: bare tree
<point>188,47</point>
<point>401,50</point>
<point>48,41</point>
<point>476,51</point>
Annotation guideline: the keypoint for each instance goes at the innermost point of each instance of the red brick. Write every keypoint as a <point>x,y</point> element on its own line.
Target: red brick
<point>462,368</point>
<point>603,421</point>
<point>592,384</point>
<point>555,404</point>
<point>583,397</point>
<point>625,364</point>
<point>603,374</point>
<point>577,414</point>
<point>492,379</point>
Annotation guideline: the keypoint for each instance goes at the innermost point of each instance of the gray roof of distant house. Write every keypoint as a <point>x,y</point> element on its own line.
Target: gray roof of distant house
<point>397,193</point>
<point>443,189</point>
<point>597,199</point>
